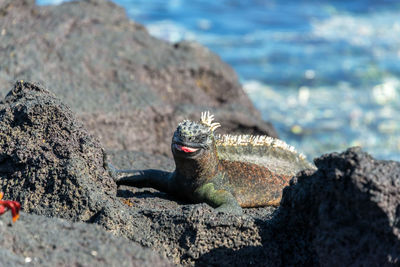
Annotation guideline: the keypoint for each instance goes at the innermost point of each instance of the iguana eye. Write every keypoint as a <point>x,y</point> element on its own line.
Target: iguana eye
<point>203,137</point>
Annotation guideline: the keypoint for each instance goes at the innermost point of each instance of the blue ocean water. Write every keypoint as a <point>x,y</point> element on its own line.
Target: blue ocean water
<point>325,73</point>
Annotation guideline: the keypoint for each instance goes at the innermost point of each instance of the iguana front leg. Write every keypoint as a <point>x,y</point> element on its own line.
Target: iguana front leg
<point>157,179</point>
<point>221,200</point>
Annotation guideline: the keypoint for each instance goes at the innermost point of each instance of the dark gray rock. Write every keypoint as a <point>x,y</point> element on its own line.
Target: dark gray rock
<point>48,161</point>
<point>347,212</point>
<point>53,167</point>
<point>140,160</point>
<point>128,88</point>
<point>41,241</point>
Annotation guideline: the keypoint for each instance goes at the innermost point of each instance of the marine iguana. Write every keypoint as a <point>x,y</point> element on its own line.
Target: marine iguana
<point>225,171</point>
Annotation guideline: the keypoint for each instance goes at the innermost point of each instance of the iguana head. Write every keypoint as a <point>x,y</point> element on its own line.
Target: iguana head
<point>192,139</point>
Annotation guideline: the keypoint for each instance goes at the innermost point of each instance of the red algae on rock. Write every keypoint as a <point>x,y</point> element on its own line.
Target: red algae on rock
<point>13,206</point>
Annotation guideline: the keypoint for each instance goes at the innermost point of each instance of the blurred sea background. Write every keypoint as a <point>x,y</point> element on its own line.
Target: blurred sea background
<point>325,73</point>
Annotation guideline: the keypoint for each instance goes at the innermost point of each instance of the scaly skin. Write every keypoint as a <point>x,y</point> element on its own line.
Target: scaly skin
<point>227,176</point>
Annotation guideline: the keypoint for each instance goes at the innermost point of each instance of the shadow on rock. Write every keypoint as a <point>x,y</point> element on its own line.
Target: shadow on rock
<point>266,253</point>
<point>145,194</point>
<point>347,212</point>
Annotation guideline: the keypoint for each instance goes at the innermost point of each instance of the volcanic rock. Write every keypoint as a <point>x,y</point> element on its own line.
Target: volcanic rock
<point>348,211</point>
<point>48,161</point>
<point>42,241</point>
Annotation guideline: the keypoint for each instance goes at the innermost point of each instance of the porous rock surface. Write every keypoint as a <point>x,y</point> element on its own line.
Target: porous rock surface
<point>346,213</point>
<point>48,161</point>
<point>128,88</point>
<point>41,241</point>
<point>50,164</point>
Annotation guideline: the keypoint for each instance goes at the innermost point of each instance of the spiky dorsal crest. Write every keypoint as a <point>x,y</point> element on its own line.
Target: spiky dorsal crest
<point>207,120</point>
<point>255,141</point>
<point>262,150</point>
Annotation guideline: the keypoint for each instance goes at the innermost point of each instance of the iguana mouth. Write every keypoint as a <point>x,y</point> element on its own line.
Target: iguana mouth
<point>186,149</point>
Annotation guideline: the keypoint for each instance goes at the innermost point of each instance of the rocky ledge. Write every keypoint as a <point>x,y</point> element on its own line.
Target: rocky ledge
<point>41,241</point>
<point>347,209</point>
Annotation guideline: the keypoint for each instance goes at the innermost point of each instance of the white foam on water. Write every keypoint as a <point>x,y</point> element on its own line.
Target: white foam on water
<point>324,119</point>
<point>170,31</point>
<point>361,30</point>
